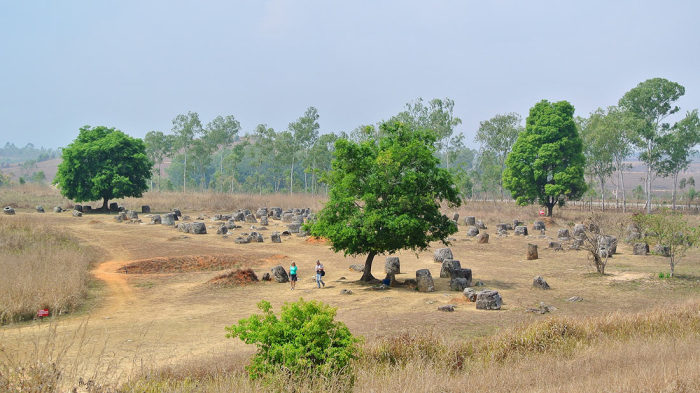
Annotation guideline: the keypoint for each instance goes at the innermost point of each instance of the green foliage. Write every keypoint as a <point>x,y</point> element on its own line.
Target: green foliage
<point>385,195</point>
<point>496,136</point>
<point>21,180</point>
<point>305,339</point>
<point>670,229</point>
<point>103,163</point>
<point>547,162</point>
<point>649,104</point>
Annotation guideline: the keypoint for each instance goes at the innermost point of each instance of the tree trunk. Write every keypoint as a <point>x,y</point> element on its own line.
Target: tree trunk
<point>367,273</point>
<point>105,205</point>
<point>649,179</point>
<point>602,194</point>
<point>184,174</point>
<point>550,206</point>
<point>622,187</point>
<point>675,184</point>
<point>291,178</point>
<point>673,265</point>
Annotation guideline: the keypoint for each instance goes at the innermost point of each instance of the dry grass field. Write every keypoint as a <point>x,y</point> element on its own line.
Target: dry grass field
<point>163,330</point>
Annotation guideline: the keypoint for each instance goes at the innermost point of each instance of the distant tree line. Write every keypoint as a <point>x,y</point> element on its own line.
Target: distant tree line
<point>10,154</point>
<point>220,156</point>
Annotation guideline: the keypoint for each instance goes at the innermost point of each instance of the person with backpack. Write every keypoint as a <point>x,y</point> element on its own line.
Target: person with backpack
<point>293,275</point>
<point>320,272</point>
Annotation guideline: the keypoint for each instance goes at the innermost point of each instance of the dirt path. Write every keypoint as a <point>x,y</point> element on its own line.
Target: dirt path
<point>118,291</point>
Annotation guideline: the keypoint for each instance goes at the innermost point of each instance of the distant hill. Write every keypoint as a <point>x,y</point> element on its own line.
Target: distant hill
<point>10,154</point>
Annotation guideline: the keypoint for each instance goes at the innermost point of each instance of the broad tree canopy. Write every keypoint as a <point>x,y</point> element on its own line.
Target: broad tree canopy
<point>103,163</point>
<point>385,195</point>
<point>546,164</point>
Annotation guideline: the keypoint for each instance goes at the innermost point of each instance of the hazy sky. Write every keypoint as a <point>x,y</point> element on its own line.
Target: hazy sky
<point>135,65</point>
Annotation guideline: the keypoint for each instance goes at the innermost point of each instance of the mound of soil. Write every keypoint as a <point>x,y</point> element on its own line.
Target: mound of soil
<point>181,264</point>
<point>316,240</point>
<point>235,278</point>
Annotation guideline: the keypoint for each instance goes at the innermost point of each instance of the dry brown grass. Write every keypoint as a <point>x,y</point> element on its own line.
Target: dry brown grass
<point>654,351</point>
<point>42,267</point>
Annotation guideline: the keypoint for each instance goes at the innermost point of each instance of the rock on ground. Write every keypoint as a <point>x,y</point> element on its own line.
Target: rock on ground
<point>168,219</point>
<point>458,284</point>
<point>539,282</point>
<point>279,274</point>
<point>472,231</point>
<point>447,308</point>
<point>470,294</point>
<point>156,219</point>
<point>488,300</point>
<point>275,237</point>
<point>424,281</point>
<point>448,267</point>
<point>482,238</point>
<point>392,265</point>
<point>531,251</point>
<point>8,210</point>
<point>521,230</point>
<point>441,254</point>
<point>640,249</point>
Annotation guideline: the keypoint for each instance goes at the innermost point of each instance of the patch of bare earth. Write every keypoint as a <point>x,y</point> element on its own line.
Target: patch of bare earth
<point>192,263</point>
<point>235,278</point>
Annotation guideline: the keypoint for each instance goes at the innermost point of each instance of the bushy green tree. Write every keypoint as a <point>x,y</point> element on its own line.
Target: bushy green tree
<point>546,164</point>
<point>304,339</point>
<point>385,195</point>
<point>103,163</point>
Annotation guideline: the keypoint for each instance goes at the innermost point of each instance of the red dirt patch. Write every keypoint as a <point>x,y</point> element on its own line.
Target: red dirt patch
<point>188,263</point>
<point>316,240</point>
<point>234,278</point>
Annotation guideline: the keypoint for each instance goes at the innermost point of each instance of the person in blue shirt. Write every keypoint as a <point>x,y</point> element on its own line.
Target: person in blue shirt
<point>293,275</point>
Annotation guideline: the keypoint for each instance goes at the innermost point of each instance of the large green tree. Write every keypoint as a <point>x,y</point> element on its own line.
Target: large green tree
<point>651,102</point>
<point>103,163</point>
<point>385,195</point>
<point>546,164</point>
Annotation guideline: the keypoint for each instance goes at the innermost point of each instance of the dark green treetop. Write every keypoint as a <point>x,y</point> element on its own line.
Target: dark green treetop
<point>547,163</point>
<point>103,163</point>
<point>385,195</point>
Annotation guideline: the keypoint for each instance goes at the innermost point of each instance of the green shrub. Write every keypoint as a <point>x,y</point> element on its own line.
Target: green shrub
<point>305,340</point>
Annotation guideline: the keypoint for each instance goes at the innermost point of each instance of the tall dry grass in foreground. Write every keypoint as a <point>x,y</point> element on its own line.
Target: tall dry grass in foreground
<point>656,351</point>
<point>41,266</point>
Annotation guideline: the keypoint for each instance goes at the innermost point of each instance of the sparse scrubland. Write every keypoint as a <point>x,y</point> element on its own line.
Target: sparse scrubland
<point>652,351</point>
<point>154,332</point>
<point>42,267</point>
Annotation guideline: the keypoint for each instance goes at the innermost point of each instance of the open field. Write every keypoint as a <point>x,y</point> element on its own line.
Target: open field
<point>150,320</point>
<point>42,267</point>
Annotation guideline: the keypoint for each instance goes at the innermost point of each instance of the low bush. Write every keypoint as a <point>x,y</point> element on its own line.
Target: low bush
<point>305,340</point>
